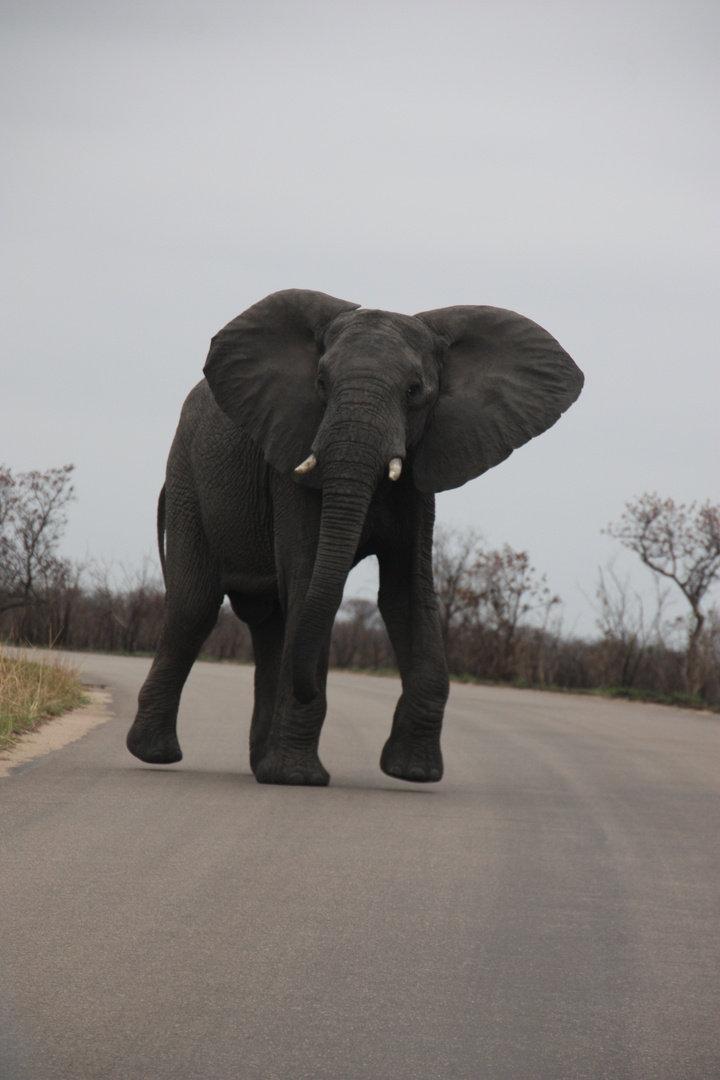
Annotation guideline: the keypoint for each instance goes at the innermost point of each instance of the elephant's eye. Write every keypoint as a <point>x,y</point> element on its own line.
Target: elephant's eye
<point>414,390</point>
<point>321,386</point>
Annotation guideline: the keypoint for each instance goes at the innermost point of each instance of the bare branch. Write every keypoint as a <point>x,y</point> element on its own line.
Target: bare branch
<point>680,543</point>
<point>32,523</point>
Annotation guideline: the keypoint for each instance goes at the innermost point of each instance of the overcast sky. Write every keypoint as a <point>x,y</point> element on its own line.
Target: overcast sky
<point>165,165</point>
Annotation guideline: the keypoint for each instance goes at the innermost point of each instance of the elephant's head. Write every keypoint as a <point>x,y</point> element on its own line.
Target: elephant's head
<point>345,398</point>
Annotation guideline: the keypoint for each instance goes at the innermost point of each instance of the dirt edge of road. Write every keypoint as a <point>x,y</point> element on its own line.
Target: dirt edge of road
<point>57,732</point>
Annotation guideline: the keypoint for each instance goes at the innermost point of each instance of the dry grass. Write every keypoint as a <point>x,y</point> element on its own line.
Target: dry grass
<point>32,691</point>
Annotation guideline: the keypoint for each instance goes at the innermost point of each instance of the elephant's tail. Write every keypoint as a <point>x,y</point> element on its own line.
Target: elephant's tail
<point>161,529</point>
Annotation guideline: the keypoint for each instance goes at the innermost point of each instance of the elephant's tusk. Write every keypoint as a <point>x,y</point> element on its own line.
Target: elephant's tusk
<point>395,468</point>
<point>307,465</point>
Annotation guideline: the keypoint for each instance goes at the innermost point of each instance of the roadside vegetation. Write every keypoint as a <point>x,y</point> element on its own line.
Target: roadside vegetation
<point>501,622</point>
<point>33,690</point>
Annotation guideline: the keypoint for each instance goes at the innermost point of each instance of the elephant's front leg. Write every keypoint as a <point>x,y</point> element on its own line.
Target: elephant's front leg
<point>289,754</point>
<point>284,746</point>
<point>408,606</point>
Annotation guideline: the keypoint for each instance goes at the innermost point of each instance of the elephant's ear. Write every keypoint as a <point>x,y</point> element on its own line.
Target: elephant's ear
<point>503,380</point>
<point>262,368</point>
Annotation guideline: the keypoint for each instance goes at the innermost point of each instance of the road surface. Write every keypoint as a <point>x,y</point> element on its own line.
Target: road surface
<point>547,912</point>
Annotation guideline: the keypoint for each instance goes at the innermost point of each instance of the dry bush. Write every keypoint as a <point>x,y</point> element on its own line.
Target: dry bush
<point>359,638</point>
<point>498,617</point>
<point>230,640</point>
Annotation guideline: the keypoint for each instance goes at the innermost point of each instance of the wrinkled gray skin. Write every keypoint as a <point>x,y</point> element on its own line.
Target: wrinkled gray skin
<point>449,392</point>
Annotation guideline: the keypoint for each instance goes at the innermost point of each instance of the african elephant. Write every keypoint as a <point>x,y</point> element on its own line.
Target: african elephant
<point>318,436</point>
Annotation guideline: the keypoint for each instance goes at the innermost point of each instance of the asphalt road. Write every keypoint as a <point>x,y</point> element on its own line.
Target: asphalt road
<point>548,911</point>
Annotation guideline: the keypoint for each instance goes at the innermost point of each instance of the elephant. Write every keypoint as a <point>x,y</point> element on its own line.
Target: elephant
<point>318,436</point>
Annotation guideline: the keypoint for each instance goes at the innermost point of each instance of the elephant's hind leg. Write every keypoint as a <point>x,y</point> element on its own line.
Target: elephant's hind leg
<point>268,639</point>
<point>153,735</point>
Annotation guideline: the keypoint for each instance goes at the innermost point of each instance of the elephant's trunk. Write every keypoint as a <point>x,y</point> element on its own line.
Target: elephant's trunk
<point>346,498</point>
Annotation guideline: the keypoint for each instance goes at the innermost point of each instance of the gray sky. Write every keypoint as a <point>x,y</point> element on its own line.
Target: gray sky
<point>165,165</point>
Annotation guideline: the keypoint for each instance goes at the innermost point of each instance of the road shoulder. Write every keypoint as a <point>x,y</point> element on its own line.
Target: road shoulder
<point>57,732</point>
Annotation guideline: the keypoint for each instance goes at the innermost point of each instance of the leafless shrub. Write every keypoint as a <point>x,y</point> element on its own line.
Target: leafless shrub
<point>123,610</point>
<point>230,640</point>
<point>359,638</point>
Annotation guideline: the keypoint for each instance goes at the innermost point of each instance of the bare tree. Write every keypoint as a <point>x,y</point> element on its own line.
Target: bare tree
<point>454,551</point>
<point>505,588</point>
<point>32,523</point>
<point>8,497</point>
<point>681,543</point>
<point>491,601</point>
<point>635,645</point>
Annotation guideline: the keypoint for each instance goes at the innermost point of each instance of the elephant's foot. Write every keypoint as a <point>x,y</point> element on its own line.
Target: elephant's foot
<point>152,744</point>
<point>290,768</point>
<point>416,759</point>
